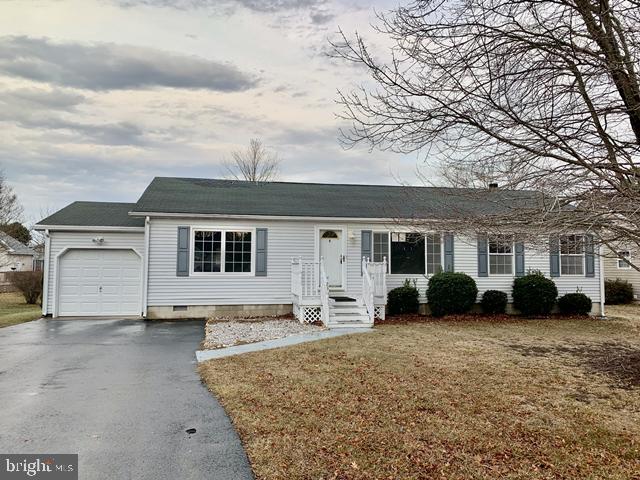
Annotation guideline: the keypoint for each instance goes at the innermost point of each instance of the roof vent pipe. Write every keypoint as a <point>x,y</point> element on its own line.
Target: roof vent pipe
<point>493,186</point>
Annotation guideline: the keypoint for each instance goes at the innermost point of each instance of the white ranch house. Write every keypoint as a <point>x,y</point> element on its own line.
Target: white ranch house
<point>196,247</point>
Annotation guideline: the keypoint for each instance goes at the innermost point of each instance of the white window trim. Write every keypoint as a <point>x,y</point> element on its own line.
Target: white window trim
<point>626,266</point>
<point>583,256</point>
<point>373,247</point>
<point>512,255</point>
<point>223,248</point>
<point>426,270</point>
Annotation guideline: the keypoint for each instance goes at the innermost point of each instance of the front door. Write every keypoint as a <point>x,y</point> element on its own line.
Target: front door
<point>331,252</point>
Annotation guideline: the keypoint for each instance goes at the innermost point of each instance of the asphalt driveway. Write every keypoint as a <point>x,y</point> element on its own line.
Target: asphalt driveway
<point>121,394</point>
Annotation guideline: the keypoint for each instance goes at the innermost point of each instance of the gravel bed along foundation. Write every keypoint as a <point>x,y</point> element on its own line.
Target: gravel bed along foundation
<point>221,334</point>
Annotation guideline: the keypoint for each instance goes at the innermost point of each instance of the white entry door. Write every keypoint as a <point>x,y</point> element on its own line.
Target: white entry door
<point>99,282</point>
<point>331,252</point>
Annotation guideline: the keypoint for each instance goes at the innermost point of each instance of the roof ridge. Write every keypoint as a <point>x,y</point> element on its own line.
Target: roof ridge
<point>368,185</point>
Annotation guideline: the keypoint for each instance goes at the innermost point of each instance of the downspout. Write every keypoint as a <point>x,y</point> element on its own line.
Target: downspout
<point>602,299</point>
<point>145,281</point>
<point>45,273</point>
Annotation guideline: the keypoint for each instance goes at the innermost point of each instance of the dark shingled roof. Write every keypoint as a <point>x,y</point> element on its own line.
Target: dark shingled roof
<point>231,197</point>
<point>94,214</point>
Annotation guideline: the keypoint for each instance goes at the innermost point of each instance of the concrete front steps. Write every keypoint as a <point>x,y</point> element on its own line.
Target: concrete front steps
<point>345,312</point>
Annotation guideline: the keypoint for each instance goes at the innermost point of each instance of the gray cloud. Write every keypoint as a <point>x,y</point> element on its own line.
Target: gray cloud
<point>48,110</point>
<point>107,66</point>
<point>38,98</point>
<point>321,17</point>
<point>255,5</point>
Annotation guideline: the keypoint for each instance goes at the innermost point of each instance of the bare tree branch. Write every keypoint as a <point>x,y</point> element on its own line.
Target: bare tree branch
<point>255,164</point>
<point>10,208</point>
<point>540,95</point>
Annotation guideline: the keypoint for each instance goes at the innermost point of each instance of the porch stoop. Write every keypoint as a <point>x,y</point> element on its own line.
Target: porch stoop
<point>345,312</point>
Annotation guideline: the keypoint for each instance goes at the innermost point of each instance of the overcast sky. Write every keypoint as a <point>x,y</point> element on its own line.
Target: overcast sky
<point>99,96</point>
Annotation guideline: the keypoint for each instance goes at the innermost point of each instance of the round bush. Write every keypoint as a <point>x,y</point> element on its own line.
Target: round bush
<point>617,291</point>
<point>494,301</point>
<point>451,293</point>
<point>403,300</point>
<point>574,304</point>
<point>534,294</point>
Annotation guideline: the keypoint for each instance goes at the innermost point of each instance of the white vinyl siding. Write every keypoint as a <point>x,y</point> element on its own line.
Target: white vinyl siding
<point>297,238</point>
<point>286,239</point>
<point>59,241</point>
<point>612,272</point>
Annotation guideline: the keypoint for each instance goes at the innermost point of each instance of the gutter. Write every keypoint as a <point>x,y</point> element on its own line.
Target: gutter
<point>602,299</point>
<point>45,282</point>
<point>87,228</point>
<point>145,273</point>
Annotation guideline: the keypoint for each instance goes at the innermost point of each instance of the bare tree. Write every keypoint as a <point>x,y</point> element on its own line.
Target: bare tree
<point>10,208</point>
<point>535,94</point>
<point>254,164</point>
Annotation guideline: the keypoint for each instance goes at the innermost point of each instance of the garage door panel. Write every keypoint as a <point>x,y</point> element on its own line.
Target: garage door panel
<point>99,282</point>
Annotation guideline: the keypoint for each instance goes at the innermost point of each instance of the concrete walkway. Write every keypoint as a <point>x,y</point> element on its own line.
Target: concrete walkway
<point>204,355</point>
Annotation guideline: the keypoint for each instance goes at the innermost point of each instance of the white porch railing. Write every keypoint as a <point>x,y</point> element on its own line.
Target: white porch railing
<point>374,287</point>
<point>324,293</point>
<point>378,271</point>
<point>367,289</point>
<point>310,290</point>
<point>305,290</point>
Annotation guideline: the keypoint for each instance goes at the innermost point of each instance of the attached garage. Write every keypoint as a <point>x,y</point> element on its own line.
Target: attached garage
<point>94,261</point>
<point>99,282</point>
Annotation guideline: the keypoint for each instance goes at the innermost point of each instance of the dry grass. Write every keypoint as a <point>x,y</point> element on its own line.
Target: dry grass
<point>519,399</point>
<point>14,310</point>
<point>628,312</point>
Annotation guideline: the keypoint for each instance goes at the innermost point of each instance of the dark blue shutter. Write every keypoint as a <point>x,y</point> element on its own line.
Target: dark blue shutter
<point>261,252</point>
<point>554,255</point>
<point>366,246</point>
<point>483,257</point>
<point>519,259</point>
<point>448,252</point>
<point>182,263</point>
<point>589,257</point>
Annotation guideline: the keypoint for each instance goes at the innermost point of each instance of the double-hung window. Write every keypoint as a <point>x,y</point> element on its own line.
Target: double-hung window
<point>571,255</point>
<point>407,253</point>
<point>501,255</point>
<point>222,251</point>
<point>434,253</point>
<point>380,246</point>
<point>623,259</point>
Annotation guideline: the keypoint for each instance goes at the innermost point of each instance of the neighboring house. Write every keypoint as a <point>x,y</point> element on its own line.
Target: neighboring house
<point>616,267</point>
<point>195,247</point>
<point>15,256</point>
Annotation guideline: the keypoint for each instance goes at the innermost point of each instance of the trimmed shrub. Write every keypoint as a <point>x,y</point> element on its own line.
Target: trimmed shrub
<point>494,301</point>
<point>451,293</point>
<point>617,291</point>
<point>534,294</point>
<point>403,300</point>
<point>27,283</point>
<point>574,304</point>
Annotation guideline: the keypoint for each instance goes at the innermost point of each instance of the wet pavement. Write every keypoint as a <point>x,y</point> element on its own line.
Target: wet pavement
<point>120,393</point>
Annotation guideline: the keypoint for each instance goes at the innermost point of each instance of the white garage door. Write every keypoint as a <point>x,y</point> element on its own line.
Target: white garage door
<point>99,282</point>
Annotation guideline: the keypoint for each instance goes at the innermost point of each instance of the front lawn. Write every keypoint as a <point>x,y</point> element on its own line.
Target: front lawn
<point>13,310</point>
<point>531,399</point>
